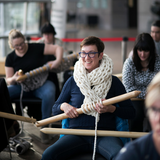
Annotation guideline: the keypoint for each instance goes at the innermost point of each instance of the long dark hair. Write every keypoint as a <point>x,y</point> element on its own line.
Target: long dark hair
<point>144,42</point>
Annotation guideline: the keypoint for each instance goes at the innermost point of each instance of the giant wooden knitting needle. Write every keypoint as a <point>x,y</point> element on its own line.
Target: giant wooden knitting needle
<point>79,110</point>
<point>66,63</point>
<point>87,132</point>
<point>17,117</point>
<point>31,73</point>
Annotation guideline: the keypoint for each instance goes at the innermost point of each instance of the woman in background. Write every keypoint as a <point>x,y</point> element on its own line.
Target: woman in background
<point>138,71</point>
<point>29,56</point>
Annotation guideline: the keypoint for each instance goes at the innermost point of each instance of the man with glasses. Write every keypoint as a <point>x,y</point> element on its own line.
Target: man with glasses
<point>147,147</point>
<point>91,82</point>
<point>155,33</point>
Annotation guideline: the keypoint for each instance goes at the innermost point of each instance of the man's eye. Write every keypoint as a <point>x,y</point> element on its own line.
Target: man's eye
<point>154,109</point>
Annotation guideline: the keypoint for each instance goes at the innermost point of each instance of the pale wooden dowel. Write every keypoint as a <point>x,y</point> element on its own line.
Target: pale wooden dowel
<point>83,132</point>
<point>20,73</point>
<point>79,110</point>
<point>122,97</point>
<point>137,99</point>
<point>17,117</point>
<point>44,68</point>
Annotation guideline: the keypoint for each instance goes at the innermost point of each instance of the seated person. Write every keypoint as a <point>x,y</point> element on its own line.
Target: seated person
<point>9,127</point>
<point>147,147</point>
<point>48,35</point>
<point>91,82</point>
<point>29,56</point>
<point>138,72</point>
<point>155,34</point>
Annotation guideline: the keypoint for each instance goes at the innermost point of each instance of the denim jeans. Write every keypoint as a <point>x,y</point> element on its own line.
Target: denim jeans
<point>70,145</point>
<point>46,93</point>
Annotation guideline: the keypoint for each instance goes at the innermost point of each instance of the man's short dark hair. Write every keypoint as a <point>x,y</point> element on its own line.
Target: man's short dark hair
<point>48,28</point>
<point>92,40</point>
<point>156,23</point>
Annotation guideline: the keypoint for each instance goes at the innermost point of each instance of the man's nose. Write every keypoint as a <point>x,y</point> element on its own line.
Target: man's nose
<point>87,56</point>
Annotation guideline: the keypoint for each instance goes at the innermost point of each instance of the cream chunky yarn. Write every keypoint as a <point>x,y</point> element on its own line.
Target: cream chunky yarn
<point>99,79</point>
<point>94,86</point>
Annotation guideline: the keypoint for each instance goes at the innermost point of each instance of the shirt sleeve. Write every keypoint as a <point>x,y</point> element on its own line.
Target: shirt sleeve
<point>8,61</point>
<point>141,148</point>
<point>64,97</point>
<point>125,109</point>
<point>128,76</point>
<point>128,152</point>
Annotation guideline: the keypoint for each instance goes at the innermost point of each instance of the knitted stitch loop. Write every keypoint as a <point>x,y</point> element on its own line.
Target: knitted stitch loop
<point>94,85</point>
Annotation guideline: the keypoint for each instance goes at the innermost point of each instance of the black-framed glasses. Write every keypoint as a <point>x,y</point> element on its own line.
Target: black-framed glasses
<point>90,54</point>
<point>20,45</point>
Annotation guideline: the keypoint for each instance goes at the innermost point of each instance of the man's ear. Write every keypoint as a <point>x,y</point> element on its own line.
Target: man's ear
<point>101,55</point>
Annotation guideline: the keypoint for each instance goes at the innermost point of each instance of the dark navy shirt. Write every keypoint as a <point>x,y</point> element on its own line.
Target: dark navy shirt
<point>71,94</point>
<point>140,149</point>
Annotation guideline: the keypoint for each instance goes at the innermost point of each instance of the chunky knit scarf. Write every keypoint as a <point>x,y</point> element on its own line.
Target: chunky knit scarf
<point>94,85</point>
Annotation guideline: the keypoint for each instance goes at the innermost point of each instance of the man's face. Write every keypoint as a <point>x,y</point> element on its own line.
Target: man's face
<point>48,38</point>
<point>155,33</point>
<point>91,63</point>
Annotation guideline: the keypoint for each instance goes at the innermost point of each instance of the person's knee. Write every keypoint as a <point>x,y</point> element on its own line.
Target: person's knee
<point>14,91</point>
<point>46,155</point>
<point>49,153</point>
<point>50,90</point>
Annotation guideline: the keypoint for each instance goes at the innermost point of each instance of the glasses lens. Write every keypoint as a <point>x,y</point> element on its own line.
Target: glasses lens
<point>82,54</point>
<point>20,45</point>
<point>92,54</point>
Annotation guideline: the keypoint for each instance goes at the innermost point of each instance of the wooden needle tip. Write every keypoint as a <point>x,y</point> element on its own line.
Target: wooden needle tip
<point>20,72</point>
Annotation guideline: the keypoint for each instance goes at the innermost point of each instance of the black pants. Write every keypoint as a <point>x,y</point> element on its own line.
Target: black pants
<point>5,106</point>
<point>140,123</point>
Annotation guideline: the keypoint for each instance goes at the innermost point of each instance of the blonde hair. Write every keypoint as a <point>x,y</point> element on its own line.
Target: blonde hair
<point>14,34</point>
<point>153,91</point>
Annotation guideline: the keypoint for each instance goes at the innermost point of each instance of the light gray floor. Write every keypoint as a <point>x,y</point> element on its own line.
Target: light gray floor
<point>30,133</point>
<point>113,49</point>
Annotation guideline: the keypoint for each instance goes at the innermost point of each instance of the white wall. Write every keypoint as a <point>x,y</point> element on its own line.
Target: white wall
<point>58,17</point>
<point>145,16</point>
